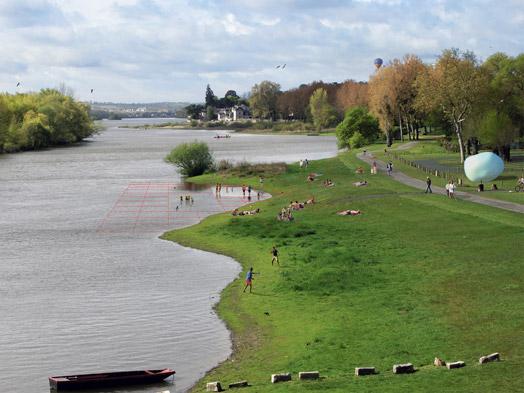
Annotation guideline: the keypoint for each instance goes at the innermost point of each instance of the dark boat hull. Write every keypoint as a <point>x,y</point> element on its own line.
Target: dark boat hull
<point>125,378</point>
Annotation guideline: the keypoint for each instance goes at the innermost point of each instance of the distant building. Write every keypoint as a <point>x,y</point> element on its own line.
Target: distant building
<point>236,113</point>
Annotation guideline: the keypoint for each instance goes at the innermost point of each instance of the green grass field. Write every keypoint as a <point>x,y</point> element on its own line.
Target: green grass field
<point>431,151</point>
<point>414,277</point>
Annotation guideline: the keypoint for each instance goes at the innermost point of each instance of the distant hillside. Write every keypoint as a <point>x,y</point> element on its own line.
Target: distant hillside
<point>115,110</point>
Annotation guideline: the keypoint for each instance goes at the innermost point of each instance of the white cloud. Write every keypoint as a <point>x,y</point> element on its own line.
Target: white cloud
<point>144,50</point>
<point>234,27</point>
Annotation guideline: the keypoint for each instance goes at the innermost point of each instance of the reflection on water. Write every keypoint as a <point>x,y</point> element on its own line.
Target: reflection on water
<point>75,299</point>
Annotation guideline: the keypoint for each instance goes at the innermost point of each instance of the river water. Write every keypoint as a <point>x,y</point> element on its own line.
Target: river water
<point>85,283</point>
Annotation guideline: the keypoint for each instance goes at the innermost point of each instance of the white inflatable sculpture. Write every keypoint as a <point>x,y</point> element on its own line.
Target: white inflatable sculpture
<point>483,167</point>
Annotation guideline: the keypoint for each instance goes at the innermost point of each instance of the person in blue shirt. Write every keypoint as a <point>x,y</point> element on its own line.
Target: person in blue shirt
<point>249,279</point>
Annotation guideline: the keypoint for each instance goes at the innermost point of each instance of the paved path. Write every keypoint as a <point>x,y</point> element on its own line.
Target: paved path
<point>421,185</point>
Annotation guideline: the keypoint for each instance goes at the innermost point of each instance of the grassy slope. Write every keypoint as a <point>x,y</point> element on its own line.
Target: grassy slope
<point>430,150</point>
<point>416,276</point>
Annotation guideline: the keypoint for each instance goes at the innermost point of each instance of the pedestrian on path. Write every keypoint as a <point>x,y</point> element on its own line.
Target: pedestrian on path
<point>274,253</point>
<point>428,186</point>
<point>452,189</point>
<point>249,280</point>
<point>374,168</point>
<point>389,168</point>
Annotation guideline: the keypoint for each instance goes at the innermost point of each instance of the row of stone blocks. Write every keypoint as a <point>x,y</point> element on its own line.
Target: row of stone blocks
<point>408,368</point>
<point>303,375</point>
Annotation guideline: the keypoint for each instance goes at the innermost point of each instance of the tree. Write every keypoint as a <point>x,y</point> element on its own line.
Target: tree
<point>322,112</point>
<point>192,158</point>
<point>498,131</point>
<point>359,120</point>
<point>455,85</point>
<point>405,73</point>
<point>383,102</point>
<point>211,99</point>
<point>231,98</point>
<point>350,94</point>
<point>210,113</point>
<point>194,110</point>
<point>357,140</point>
<point>263,99</point>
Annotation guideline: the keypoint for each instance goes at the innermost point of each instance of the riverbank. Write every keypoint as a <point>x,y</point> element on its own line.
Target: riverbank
<point>261,127</point>
<point>414,277</point>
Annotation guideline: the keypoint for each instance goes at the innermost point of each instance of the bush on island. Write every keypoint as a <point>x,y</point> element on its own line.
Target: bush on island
<point>192,158</point>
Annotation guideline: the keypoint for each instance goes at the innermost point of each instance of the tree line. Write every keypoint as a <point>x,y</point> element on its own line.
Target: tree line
<point>476,103</point>
<point>36,120</point>
<point>481,102</point>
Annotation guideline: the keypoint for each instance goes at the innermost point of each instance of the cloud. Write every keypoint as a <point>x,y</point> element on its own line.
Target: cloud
<point>234,27</point>
<point>149,50</point>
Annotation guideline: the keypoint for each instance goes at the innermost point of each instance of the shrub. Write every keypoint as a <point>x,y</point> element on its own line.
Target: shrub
<point>357,119</point>
<point>244,168</point>
<point>357,140</point>
<point>193,158</point>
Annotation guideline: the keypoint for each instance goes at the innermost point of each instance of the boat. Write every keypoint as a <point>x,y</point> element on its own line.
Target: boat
<point>119,378</point>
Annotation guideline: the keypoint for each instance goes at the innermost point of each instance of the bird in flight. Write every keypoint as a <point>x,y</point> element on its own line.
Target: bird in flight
<point>92,90</point>
<point>18,84</point>
<point>278,66</point>
<point>284,66</point>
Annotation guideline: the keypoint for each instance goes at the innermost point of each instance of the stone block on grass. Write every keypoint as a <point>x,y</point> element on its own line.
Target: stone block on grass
<point>239,384</point>
<point>453,365</point>
<point>308,375</point>
<point>439,362</point>
<point>284,377</point>
<point>406,368</point>
<point>213,387</point>
<point>365,371</point>
<point>490,358</point>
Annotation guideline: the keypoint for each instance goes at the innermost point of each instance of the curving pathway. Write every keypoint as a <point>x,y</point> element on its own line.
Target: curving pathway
<point>421,184</point>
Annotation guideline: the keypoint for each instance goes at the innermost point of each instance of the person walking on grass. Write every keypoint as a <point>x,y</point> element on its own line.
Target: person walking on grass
<point>249,280</point>
<point>274,253</point>
<point>428,186</point>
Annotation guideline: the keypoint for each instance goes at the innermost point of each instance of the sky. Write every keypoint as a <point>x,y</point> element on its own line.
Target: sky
<point>169,50</point>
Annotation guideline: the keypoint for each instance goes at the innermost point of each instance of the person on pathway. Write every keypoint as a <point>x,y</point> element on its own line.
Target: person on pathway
<point>274,253</point>
<point>452,189</point>
<point>301,164</point>
<point>249,280</point>
<point>428,186</point>
<point>249,189</point>
<point>374,168</point>
<point>306,162</point>
<point>244,190</point>
<point>389,168</point>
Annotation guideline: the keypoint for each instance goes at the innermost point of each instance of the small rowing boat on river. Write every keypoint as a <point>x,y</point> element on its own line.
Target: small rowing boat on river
<point>120,378</point>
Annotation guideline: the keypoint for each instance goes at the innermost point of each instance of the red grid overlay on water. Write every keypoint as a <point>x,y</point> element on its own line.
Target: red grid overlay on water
<point>144,207</point>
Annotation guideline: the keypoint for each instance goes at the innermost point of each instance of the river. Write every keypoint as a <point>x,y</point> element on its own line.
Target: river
<point>85,283</point>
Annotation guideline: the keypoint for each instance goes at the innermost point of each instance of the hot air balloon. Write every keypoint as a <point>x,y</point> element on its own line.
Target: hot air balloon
<point>378,62</point>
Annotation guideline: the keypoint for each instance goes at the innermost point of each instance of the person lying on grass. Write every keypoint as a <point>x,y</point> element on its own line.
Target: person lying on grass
<point>328,183</point>
<point>285,215</point>
<point>359,170</point>
<point>360,183</point>
<point>349,213</point>
<point>245,212</point>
